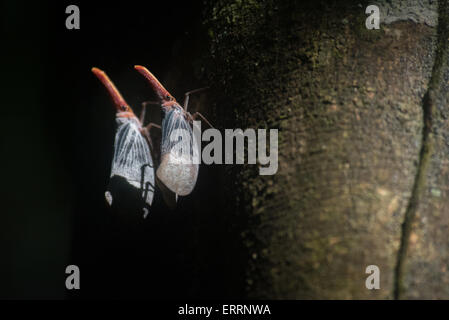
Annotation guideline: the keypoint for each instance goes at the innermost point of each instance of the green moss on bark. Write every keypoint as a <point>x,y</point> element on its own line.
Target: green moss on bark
<point>348,106</point>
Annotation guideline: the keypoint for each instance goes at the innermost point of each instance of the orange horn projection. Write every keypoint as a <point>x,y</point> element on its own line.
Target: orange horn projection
<point>115,95</point>
<point>162,93</point>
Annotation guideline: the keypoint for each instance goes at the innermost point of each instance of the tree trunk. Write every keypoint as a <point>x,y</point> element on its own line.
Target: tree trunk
<point>363,173</point>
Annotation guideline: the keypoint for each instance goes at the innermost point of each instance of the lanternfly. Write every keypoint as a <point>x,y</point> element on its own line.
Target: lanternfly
<point>175,171</point>
<point>132,159</point>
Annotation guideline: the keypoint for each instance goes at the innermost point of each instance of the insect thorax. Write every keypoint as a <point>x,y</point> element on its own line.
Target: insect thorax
<point>176,132</point>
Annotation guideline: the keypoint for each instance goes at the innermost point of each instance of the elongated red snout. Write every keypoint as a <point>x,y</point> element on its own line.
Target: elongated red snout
<point>119,103</point>
<point>158,88</point>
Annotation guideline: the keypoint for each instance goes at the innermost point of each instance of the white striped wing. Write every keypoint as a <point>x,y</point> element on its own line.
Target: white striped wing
<point>177,169</point>
<point>132,158</point>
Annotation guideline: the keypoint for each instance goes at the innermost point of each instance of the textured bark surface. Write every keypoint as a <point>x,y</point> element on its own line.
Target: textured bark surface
<point>427,259</point>
<point>348,103</point>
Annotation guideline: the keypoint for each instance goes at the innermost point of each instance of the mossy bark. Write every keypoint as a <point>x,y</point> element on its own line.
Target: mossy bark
<point>426,259</point>
<point>348,103</point>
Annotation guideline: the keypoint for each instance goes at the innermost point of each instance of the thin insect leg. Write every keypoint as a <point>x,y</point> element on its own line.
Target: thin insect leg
<point>142,113</point>
<point>151,102</point>
<point>197,114</point>
<point>146,132</point>
<point>144,106</point>
<point>145,103</point>
<point>186,99</point>
<point>151,125</point>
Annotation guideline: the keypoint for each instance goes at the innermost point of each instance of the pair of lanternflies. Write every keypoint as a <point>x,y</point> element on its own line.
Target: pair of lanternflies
<point>132,159</point>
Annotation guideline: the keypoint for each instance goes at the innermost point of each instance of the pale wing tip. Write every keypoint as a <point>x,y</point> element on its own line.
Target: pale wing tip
<point>108,197</point>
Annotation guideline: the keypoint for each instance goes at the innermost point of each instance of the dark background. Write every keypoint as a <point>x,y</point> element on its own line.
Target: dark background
<point>58,125</point>
<point>57,134</point>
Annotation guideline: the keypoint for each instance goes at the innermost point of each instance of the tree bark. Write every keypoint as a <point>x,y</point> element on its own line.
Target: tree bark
<point>363,145</point>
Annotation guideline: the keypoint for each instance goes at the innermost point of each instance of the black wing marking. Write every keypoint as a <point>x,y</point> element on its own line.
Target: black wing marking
<point>132,158</point>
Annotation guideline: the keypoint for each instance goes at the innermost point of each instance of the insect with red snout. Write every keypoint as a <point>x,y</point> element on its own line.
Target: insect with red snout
<point>176,172</point>
<point>132,159</point>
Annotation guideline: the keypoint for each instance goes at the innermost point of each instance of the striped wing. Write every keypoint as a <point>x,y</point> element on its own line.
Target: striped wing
<point>132,158</point>
<point>174,120</point>
<point>177,169</point>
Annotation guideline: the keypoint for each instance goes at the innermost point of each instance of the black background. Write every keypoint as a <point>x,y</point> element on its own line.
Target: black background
<point>57,139</point>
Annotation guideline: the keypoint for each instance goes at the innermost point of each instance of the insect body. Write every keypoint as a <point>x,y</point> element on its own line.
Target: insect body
<point>132,158</point>
<point>177,170</point>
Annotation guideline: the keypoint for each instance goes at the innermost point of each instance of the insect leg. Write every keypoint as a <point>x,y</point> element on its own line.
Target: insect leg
<point>197,114</point>
<point>186,99</point>
<point>142,112</point>
<point>151,125</point>
<point>146,132</point>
